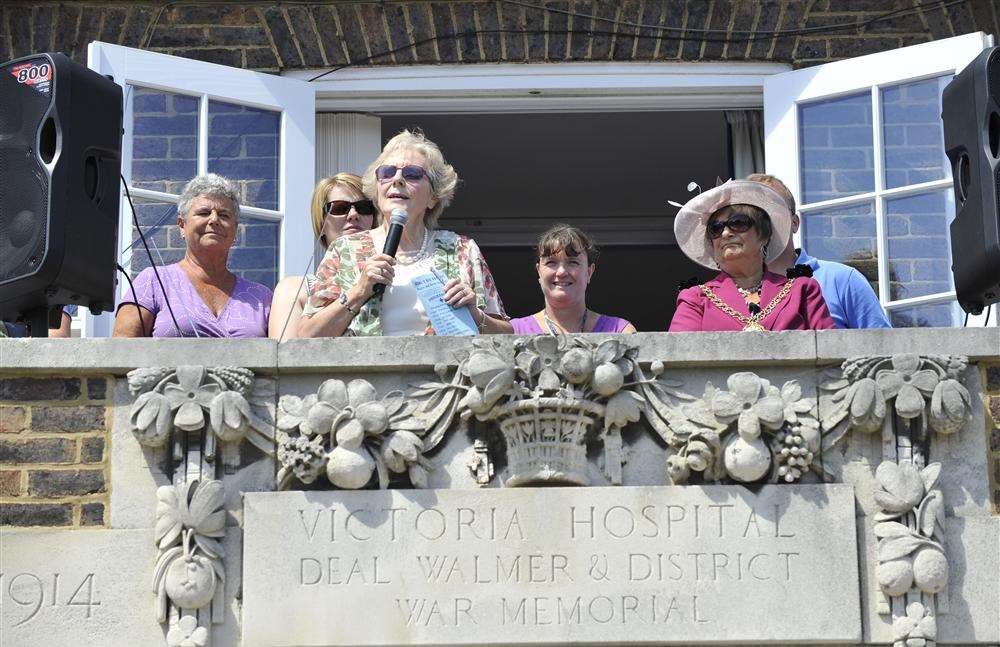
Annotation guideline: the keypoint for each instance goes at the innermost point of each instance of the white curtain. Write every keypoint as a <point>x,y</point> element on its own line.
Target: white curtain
<point>747,128</point>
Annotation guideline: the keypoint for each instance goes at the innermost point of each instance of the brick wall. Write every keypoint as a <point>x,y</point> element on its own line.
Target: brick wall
<point>325,34</point>
<point>991,400</point>
<point>54,451</point>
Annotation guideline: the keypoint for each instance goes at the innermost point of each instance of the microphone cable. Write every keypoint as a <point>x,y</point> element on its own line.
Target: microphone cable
<point>135,221</point>
<point>142,324</point>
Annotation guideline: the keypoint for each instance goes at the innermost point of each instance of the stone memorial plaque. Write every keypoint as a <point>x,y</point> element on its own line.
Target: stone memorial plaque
<point>86,588</point>
<point>636,565</point>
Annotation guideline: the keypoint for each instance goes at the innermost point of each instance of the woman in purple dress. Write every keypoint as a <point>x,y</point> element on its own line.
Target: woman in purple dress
<point>199,296</point>
<point>567,258</point>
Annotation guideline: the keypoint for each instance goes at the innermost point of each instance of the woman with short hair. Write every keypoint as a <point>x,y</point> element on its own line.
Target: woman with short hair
<point>412,176</point>
<point>738,227</point>
<point>565,261</point>
<point>199,296</point>
<point>339,207</point>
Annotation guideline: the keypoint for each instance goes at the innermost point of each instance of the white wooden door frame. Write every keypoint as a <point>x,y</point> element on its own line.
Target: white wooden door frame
<point>294,99</point>
<point>784,93</point>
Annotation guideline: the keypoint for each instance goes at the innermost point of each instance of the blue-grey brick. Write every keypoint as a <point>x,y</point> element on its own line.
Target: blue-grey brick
<point>925,134</point>
<point>374,28</point>
<point>175,125</point>
<point>833,159</point>
<point>260,235</point>
<point>19,18</point>
<point>263,194</point>
<point>298,18</point>
<point>846,182</point>
<point>183,104</point>
<point>600,48</point>
<point>41,36</point>
<point>31,388</point>
<point>399,39</point>
<point>259,123</point>
<point>163,170</point>
<point>263,58</point>
<point>851,136</point>
<point>420,20</point>
<point>815,137</point>
<point>268,278</point>
<point>262,146</point>
<point>149,101</point>
<point>252,258</point>
<point>224,147</point>
<point>853,226</point>
<point>149,148</point>
<point>855,111</point>
<point>183,147</point>
<point>244,169</point>
<point>489,21</point>
<point>893,135</point>
<point>897,225</point>
<point>910,112</point>
<point>931,270</point>
<point>36,514</point>
<point>920,247</point>
<point>114,21</point>
<point>818,225</point>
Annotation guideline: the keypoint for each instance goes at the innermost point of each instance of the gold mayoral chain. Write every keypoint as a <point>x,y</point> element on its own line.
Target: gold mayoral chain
<point>751,322</point>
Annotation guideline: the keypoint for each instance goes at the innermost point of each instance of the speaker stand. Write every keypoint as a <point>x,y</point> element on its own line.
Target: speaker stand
<point>39,320</point>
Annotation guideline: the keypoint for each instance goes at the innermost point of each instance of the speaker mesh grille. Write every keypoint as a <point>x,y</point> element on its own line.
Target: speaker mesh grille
<point>23,214</point>
<point>993,74</point>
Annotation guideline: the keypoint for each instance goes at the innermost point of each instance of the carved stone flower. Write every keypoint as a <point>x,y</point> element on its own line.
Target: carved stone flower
<point>229,414</point>
<point>908,384</point>
<point>900,487</point>
<point>541,357</point>
<point>867,405</point>
<point>491,378</point>
<point>795,404</point>
<point>951,406</point>
<point>917,627</point>
<point>189,397</point>
<point>187,633</point>
<point>743,401</point>
<point>150,418</point>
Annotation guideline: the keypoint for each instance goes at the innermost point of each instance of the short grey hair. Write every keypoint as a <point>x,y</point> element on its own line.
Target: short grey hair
<point>441,174</point>
<point>208,184</point>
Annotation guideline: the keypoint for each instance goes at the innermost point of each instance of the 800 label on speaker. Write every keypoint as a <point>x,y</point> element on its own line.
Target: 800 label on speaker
<point>36,75</point>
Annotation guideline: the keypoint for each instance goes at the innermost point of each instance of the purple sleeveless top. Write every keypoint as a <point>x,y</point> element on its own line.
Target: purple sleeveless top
<point>529,325</point>
<point>244,315</point>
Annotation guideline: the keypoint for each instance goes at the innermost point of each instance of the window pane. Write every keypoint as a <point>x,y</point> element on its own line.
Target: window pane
<point>255,254</point>
<point>844,234</point>
<point>243,145</point>
<point>918,245</point>
<point>164,139</point>
<point>837,153</point>
<point>159,224</point>
<point>912,132</point>
<point>942,315</point>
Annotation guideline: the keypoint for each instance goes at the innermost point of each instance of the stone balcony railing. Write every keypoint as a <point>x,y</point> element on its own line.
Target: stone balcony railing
<point>839,486</point>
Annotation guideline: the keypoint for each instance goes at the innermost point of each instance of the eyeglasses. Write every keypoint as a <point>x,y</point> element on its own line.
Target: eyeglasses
<point>411,173</point>
<point>738,223</point>
<point>343,207</point>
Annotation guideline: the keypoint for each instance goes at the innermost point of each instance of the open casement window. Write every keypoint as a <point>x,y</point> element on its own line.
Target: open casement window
<point>185,117</point>
<point>860,144</point>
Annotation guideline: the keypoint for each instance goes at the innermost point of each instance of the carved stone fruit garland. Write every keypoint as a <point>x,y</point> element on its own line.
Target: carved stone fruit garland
<point>199,413</point>
<point>906,397</point>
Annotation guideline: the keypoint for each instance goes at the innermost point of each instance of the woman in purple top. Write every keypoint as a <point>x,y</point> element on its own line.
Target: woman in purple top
<point>199,296</point>
<point>567,258</point>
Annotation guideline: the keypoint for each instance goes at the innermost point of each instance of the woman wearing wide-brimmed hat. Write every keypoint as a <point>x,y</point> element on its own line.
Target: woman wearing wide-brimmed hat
<point>738,227</point>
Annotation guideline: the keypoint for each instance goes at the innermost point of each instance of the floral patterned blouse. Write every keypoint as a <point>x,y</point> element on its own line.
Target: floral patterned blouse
<point>457,257</point>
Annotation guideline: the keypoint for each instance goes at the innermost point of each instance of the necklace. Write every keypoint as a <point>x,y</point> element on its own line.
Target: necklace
<point>746,293</point>
<point>408,258</point>
<point>553,326</point>
<point>753,321</point>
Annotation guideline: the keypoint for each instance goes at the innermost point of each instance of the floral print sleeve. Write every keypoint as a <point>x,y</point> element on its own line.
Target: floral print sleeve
<point>339,270</point>
<point>458,257</point>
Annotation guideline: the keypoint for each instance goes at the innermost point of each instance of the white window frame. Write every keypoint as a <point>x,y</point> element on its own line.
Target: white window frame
<point>542,87</point>
<point>784,93</point>
<point>294,99</point>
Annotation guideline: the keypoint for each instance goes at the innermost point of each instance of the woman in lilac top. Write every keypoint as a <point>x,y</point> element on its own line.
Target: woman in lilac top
<point>567,258</point>
<point>199,296</point>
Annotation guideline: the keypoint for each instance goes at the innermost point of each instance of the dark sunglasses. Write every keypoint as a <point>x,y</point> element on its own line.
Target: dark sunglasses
<point>343,207</point>
<point>737,223</point>
<point>411,173</point>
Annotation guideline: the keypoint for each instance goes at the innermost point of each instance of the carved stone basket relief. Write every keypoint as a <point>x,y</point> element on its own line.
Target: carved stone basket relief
<point>548,398</point>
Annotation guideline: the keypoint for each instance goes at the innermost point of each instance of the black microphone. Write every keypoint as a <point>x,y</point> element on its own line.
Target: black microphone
<point>396,224</point>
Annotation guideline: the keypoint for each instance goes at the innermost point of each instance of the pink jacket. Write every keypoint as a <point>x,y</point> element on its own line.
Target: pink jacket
<point>802,309</point>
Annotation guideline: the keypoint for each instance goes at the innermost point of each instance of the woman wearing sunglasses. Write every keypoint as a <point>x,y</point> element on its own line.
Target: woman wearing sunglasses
<point>738,227</point>
<point>339,207</point>
<point>410,174</point>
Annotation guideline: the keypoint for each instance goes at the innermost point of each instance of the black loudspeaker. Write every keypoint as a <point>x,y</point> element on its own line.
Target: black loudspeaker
<point>60,163</point>
<point>971,114</point>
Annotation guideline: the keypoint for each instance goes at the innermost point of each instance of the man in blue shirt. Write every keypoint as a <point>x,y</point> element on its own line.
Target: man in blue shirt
<point>852,302</point>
